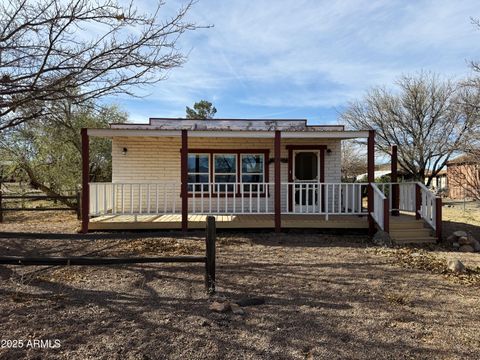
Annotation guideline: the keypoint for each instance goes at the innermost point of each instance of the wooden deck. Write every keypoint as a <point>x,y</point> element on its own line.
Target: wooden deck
<point>250,221</point>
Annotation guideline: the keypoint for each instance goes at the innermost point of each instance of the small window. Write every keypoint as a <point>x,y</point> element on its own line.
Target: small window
<point>198,172</point>
<point>225,171</point>
<point>253,166</point>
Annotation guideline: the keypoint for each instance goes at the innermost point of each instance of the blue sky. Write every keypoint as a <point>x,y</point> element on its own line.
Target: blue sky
<point>307,59</point>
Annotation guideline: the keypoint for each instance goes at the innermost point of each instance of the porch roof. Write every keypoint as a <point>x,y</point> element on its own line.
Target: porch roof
<point>244,128</point>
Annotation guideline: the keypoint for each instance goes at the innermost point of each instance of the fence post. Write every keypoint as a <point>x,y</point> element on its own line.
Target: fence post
<point>438,218</point>
<point>210,255</point>
<point>1,211</point>
<point>418,201</point>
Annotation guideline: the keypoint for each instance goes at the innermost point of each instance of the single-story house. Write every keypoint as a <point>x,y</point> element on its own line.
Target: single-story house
<point>463,177</point>
<point>172,173</point>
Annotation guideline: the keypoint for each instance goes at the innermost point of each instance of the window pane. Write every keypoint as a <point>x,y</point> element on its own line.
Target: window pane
<point>252,178</point>
<point>198,163</point>
<point>252,187</point>
<point>225,163</point>
<point>198,178</point>
<point>225,178</point>
<point>252,163</point>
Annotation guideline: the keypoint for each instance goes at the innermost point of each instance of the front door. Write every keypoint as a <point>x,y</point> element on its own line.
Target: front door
<point>306,165</point>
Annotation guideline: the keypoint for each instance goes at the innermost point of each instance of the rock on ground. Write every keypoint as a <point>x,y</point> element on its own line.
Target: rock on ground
<point>456,266</point>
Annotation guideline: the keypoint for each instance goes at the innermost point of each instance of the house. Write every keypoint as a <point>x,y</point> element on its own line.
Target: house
<point>439,182</point>
<point>384,170</point>
<point>279,174</point>
<point>463,177</point>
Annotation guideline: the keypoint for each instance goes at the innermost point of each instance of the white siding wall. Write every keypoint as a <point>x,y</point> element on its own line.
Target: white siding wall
<point>152,160</point>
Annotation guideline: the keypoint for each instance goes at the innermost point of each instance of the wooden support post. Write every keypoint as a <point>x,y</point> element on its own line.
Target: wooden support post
<point>277,199</point>
<point>438,218</point>
<point>211,234</point>
<point>1,211</point>
<point>85,180</point>
<point>386,215</point>
<point>371,178</point>
<point>418,201</point>
<point>184,179</point>
<point>394,179</point>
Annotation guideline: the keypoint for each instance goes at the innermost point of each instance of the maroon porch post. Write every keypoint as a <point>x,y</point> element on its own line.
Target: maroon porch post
<point>85,179</point>
<point>418,201</point>
<point>184,179</point>
<point>394,179</point>
<point>371,178</point>
<point>277,199</point>
<point>438,218</point>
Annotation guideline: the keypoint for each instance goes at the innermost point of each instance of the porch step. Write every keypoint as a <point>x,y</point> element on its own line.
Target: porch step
<point>410,231</point>
<point>416,240</point>
<point>409,224</point>
<point>403,233</point>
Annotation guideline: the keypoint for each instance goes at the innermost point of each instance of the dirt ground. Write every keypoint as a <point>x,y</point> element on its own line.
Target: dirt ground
<point>326,297</point>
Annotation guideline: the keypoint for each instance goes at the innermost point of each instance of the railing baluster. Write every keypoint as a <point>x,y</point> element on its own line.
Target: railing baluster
<point>235,199</point>
<point>194,196</point>
<point>250,197</point>
<point>258,198</point>
<point>326,202</point>
<point>226,199</point>
<point>140,200</point>
<point>148,198</point>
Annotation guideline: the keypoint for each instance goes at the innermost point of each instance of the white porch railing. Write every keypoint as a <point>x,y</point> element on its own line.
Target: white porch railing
<point>227,198</point>
<point>379,200</point>
<point>428,205</point>
<point>231,198</point>
<point>406,195</point>
<point>134,198</point>
<point>324,198</point>
<point>407,199</point>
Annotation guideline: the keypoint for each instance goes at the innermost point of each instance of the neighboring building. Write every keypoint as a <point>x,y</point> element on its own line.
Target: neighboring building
<point>463,177</point>
<point>383,170</point>
<point>439,183</point>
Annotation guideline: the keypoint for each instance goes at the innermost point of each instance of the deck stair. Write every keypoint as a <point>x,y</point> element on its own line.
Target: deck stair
<point>406,229</point>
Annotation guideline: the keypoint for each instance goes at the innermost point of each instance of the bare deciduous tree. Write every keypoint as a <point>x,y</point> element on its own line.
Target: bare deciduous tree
<point>426,117</point>
<point>354,160</point>
<point>80,50</point>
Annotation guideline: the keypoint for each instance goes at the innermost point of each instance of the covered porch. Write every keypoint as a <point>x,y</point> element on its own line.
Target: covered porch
<point>172,178</point>
<point>304,190</point>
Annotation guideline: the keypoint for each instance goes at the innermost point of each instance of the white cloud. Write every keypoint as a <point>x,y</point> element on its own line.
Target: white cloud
<point>315,54</point>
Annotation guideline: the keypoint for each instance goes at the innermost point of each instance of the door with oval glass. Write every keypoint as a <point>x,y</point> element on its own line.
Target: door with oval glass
<point>306,175</point>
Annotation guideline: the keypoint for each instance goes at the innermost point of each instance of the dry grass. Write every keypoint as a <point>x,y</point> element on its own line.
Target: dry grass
<point>41,221</point>
<point>457,212</point>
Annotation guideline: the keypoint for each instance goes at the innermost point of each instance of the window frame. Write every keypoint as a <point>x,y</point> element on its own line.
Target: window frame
<point>208,173</point>
<point>214,174</point>
<point>241,182</point>
<point>238,152</point>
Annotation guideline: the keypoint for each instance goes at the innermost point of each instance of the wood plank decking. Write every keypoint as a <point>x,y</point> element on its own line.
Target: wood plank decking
<point>247,221</point>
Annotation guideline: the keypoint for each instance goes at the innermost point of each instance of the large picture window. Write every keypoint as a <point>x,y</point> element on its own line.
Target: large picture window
<point>198,171</point>
<point>225,171</point>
